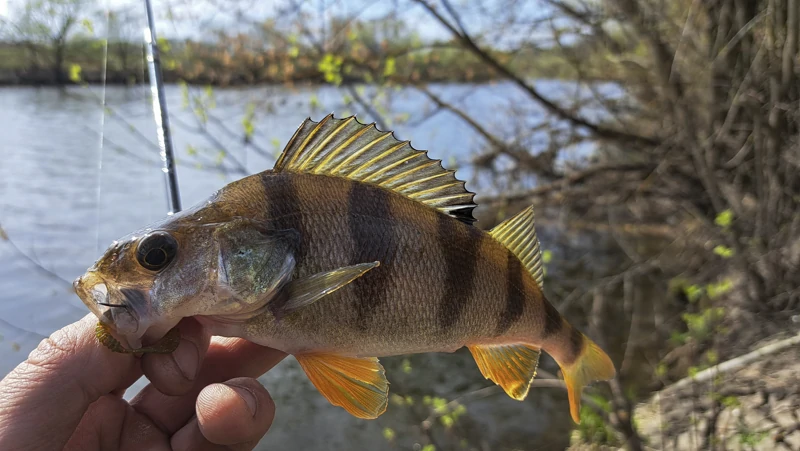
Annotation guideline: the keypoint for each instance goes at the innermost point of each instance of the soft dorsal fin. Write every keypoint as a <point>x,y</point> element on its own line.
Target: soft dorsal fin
<point>347,148</point>
<point>518,234</point>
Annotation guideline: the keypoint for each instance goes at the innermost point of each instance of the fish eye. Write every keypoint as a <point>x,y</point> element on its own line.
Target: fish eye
<point>156,250</point>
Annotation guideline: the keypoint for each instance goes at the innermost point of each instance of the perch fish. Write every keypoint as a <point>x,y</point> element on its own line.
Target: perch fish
<point>354,246</point>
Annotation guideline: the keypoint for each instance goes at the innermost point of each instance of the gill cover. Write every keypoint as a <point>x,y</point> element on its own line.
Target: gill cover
<point>254,264</point>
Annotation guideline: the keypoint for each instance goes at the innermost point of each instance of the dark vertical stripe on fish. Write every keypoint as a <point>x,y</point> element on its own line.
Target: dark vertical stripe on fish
<point>459,268</point>
<point>283,208</point>
<point>515,296</point>
<point>552,319</point>
<point>372,239</point>
<point>575,343</point>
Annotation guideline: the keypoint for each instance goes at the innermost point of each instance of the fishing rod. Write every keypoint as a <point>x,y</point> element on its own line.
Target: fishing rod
<point>160,112</point>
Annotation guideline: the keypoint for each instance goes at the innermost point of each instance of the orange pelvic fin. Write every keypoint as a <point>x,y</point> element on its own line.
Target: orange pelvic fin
<point>512,367</point>
<point>358,385</point>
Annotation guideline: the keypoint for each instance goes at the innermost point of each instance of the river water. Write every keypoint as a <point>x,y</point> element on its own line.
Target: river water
<point>64,197</point>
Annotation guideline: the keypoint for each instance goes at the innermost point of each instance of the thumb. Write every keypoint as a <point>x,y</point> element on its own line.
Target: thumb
<point>44,398</point>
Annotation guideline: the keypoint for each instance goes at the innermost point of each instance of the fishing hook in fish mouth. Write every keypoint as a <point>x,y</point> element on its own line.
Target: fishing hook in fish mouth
<point>113,305</point>
<point>124,316</point>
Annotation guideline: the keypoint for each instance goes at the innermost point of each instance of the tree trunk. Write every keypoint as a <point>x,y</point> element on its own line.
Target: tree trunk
<point>59,48</point>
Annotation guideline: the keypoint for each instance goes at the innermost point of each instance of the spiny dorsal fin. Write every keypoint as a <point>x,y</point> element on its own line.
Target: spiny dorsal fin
<point>518,234</point>
<point>347,148</point>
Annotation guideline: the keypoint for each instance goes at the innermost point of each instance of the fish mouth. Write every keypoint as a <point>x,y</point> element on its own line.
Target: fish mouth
<point>127,311</point>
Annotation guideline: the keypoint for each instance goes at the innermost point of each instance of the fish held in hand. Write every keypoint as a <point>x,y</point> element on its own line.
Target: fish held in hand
<point>166,345</point>
<point>354,246</point>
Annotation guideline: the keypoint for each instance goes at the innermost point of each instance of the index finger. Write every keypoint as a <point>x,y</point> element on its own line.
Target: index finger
<point>227,358</point>
<point>67,372</point>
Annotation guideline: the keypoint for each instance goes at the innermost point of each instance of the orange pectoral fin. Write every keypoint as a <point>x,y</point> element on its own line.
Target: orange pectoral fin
<point>512,367</point>
<point>358,385</point>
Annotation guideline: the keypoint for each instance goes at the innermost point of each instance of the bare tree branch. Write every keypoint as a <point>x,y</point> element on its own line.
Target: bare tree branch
<point>552,107</point>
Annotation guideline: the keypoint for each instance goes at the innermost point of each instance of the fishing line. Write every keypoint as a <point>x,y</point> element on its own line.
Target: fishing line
<point>103,78</point>
<point>142,89</point>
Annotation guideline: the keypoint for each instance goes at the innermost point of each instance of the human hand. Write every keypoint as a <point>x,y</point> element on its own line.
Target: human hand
<point>68,394</point>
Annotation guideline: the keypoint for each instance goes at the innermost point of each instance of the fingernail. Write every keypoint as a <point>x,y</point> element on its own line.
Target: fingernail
<point>248,396</point>
<point>187,358</point>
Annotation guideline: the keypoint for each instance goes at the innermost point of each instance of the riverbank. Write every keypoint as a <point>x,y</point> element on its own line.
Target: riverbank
<point>748,401</point>
<point>45,77</point>
<point>203,64</point>
<point>754,405</point>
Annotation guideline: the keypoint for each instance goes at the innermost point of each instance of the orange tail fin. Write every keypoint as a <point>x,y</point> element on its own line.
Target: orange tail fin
<point>591,365</point>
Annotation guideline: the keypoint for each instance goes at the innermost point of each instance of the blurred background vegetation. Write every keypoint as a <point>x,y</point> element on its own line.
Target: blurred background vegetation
<point>658,140</point>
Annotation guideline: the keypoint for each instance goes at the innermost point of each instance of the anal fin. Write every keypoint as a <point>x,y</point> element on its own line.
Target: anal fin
<point>358,385</point>
<point>512,367</point>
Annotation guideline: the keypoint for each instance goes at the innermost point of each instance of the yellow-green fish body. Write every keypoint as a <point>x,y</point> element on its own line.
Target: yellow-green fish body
<point>441,284</point>
<point>355,246</point>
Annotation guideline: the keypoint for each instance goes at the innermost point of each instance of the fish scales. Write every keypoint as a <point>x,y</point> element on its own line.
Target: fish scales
<point>354,246</point>
<point>398,307</point>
